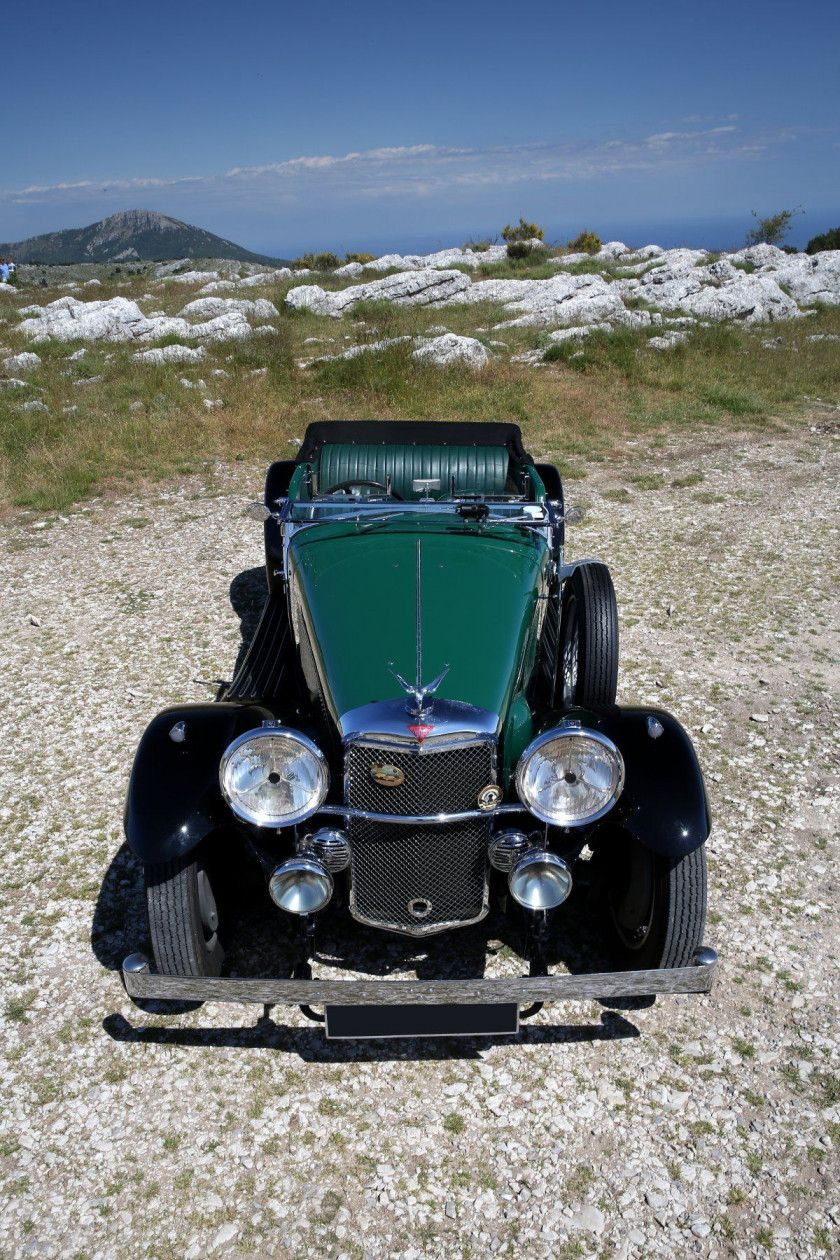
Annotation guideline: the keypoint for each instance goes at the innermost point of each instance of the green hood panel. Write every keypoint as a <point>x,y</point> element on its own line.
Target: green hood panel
<point>353,597</point>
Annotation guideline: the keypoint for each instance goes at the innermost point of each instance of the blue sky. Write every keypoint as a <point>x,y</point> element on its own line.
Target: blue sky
<point>383,125</point>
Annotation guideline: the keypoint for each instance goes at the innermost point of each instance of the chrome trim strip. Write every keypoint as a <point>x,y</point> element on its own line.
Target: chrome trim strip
<point>347,811</point>
<point>141,984</point>
<point>391,719</point>
<point>421,929</point>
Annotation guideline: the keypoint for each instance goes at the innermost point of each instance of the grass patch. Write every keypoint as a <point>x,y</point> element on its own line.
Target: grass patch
<point>139,424</point>
<point>647,481</point>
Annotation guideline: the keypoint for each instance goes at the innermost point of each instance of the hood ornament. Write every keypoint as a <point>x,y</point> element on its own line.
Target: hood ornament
<point>418,692</point>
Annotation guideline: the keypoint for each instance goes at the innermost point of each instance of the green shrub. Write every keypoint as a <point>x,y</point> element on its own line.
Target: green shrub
<point>318,262</point>
<point>480,246</point>
<point>826,240</point>
<point>773,229</point>
<point>519,249</point>
<point>522,232</point>
<point>585,242</point>
<point>364,259</point>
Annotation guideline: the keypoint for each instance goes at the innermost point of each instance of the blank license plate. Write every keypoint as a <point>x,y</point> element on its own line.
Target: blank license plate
<point>485,1019</point>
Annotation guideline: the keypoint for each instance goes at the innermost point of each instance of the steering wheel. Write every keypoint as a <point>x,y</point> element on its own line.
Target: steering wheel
<point>356,481</point>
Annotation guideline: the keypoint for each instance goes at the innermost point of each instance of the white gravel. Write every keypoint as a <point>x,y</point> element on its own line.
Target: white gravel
<point>698,1126</point>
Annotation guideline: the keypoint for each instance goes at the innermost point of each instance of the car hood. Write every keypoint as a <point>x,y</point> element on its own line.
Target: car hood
<point>353,604</point>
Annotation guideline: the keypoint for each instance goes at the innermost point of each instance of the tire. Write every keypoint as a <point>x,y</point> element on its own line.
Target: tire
<point>587,654</point>
<point>183,919</point>
<point>655,905</point>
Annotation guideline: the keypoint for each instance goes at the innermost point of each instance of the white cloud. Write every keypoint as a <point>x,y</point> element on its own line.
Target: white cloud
<point>422,170</point>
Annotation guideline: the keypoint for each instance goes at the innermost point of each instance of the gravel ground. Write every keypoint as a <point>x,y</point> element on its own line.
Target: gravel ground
<point>706,1126</point>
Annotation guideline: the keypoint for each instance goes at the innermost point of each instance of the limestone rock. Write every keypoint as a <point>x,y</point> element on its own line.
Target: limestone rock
<point>232,326</point>
<point>219,286</point>
<point>561,300</point>
<point>11,382</point>
<point>450,348</point>
<point>811,278</point>
<point>22,362</point>
<point>210,307</point>
<point>119,319</point>
<point>588,1217</point>
<point>194,277</point>
<point>171,354</point>
<point>266,277</point>
<point>419,288</point>
<point>368,347</point>
<point>667,340</point>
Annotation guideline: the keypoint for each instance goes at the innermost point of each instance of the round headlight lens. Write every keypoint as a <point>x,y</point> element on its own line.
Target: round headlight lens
<point>570,777</point>
<point>273,777</point>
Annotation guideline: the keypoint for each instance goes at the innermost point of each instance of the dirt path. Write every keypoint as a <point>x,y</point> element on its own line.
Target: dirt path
<point>696,1126</point>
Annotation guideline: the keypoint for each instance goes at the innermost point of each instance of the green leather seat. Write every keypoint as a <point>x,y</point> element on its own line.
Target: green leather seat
<point>481,469</point>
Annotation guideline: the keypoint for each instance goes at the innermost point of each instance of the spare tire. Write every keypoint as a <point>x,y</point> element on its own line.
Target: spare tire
<point>587,653</point>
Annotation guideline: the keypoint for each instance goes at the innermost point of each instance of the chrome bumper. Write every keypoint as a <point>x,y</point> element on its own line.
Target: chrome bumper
<point>141,983</point>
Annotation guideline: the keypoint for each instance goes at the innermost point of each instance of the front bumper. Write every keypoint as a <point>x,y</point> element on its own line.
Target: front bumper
<point>141,983</point>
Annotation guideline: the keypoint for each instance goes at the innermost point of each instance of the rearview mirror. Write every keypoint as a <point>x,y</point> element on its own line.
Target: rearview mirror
<point>257,511</point>
<point>574,515</point>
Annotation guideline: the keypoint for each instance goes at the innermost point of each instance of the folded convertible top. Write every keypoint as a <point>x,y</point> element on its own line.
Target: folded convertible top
<point>413,432</point>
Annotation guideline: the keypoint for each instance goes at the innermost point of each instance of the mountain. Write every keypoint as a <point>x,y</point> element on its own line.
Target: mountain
<point>129,236</point>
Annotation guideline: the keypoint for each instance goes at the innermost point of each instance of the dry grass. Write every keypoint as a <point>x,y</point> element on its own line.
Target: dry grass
<point>593,397</point>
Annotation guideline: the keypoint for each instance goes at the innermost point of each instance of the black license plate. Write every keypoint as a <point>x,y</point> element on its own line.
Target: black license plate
<point>484,1019</point>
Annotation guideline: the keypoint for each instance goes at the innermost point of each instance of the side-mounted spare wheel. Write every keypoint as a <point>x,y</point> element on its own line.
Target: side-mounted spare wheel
<point>587,656</point>
<point>183,918</point>
<point>654,904</point>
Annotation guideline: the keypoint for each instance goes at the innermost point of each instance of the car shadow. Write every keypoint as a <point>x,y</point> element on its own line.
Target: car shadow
<point>309,1044</point>
<point>248,593</point>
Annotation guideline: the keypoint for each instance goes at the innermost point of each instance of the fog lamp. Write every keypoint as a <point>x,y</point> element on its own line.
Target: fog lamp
<point>540,880</point>
<point>301,885</point>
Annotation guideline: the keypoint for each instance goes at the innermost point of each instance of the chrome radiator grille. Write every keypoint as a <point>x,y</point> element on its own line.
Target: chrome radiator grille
<point>419,877</point>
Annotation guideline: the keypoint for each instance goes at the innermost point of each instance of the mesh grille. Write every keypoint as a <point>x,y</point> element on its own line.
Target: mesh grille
<point>445,782</point>
<point>440,871</point>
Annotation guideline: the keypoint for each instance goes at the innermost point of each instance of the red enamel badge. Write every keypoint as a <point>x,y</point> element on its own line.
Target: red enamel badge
<point>420,731</point>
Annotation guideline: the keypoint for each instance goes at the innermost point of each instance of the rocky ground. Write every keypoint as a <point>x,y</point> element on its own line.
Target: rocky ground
<point>707,1126</point>
<point>664,292</point>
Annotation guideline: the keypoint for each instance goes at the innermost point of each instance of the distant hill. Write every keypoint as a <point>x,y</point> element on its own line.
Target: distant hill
<point>130,236</point>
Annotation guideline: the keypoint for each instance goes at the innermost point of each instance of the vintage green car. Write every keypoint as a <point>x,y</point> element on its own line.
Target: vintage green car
<point>423,731</point>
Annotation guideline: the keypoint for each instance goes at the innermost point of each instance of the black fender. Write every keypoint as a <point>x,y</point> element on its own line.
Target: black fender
<point>174,799</point>
<point>664,802</point>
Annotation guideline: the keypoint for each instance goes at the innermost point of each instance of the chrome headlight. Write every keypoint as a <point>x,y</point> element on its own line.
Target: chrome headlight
<point>273,777</point>
<point>570,776</point>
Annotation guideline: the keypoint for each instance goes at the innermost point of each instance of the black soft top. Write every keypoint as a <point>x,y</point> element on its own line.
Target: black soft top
<point>412,433</point>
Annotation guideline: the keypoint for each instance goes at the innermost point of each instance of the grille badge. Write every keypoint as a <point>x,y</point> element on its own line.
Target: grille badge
<point>420,730</point>
<point>387,775</point>
<point>489,797</point>
<point>419,907</point>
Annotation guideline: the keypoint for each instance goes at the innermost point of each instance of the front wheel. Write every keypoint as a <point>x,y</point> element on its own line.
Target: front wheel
<point>587,658</point>
<point>183,918</point>
<point>656,904</point>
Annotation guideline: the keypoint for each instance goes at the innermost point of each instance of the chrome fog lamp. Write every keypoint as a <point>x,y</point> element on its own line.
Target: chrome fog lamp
<point>301,885</point>
<point>331,847</point>
<point>570,776</point>
<point>274,777</point>
<point>506,847</point>
<point>540,880</point>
